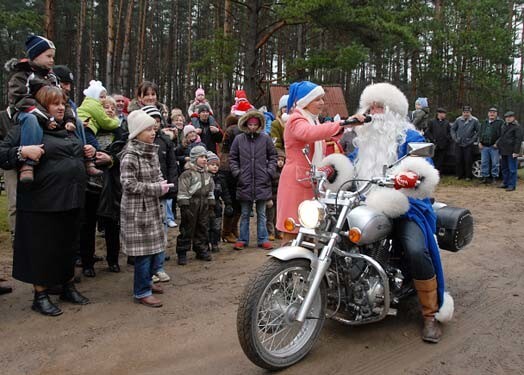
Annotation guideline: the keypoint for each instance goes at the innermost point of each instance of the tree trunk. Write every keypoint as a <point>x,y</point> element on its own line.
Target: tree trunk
<point>49,17</point>
<point>110,44</point>
<point>79,48</point>
<point>251,63</point>
<point>187,87</point>
<point>124,68</point>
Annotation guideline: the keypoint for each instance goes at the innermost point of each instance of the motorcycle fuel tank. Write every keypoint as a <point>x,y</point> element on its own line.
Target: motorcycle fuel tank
<point>373,225</point>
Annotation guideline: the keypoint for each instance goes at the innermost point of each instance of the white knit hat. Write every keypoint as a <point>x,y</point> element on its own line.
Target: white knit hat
<point>283,101</point>
<point>94,89</point>
<point>138,121</point>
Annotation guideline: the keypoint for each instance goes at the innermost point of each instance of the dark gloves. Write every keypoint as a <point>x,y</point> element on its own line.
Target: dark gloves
<point>228,211</point>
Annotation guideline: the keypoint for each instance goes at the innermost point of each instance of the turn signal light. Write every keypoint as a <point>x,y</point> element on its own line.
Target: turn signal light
<point>289,224</point>
<point>355,235</point>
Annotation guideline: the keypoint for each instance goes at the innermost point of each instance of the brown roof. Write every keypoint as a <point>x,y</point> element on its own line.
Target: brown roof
<point>334,99</point>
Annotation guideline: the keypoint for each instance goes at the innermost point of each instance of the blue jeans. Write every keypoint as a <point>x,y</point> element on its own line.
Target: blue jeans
<point>169,211</point>
<point>489,155</point>
<point>145,267</point>
<point>31,132</point>
<point>246,207</point>
<point>508,165</point>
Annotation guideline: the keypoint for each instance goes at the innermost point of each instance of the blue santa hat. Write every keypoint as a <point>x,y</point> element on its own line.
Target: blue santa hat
<point>303,93</point>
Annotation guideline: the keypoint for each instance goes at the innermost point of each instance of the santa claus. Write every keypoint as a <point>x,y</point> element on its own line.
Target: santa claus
<point>382,142</point>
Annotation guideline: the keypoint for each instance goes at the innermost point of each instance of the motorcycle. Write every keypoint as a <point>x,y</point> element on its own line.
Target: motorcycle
<point>341,266</point>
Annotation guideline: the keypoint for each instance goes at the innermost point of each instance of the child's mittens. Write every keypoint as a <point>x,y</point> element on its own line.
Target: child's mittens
<point>228,211</point>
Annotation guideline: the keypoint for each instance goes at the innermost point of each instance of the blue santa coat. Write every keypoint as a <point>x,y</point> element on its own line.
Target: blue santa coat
<point>421,212</point>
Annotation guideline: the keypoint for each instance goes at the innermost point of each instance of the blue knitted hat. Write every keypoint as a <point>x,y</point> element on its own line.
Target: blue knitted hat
<point>423,102</point>
<point>36,45</point>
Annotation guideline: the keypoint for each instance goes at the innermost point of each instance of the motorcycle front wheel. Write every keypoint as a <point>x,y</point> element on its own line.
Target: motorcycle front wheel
<point>268,333</point>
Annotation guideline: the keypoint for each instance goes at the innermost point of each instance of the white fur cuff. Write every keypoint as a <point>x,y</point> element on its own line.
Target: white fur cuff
<point>445,313</point>
<point>428,174</point>
<point>391,202</point>
<point>343,167</point>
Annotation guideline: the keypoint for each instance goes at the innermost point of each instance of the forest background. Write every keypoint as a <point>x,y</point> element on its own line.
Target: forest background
<point>455,52</point>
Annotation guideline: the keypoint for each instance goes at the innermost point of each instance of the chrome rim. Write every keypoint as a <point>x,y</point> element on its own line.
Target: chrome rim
<point>277,332</point>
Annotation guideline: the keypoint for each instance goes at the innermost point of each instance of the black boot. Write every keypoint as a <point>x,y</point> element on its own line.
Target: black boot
<point>70,294</point>
<point>43,305</point>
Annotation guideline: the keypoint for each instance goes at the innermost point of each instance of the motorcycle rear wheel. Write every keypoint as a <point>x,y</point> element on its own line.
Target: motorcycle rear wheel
<point>268,334</point>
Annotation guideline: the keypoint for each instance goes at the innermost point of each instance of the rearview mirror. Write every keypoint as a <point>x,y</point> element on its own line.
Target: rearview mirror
<point>423,149</point>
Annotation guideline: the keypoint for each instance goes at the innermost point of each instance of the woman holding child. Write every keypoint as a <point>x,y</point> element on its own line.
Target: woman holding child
<point>48,210</point>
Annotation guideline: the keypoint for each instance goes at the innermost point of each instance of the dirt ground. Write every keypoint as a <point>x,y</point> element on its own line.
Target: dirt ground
<point>195,331</point>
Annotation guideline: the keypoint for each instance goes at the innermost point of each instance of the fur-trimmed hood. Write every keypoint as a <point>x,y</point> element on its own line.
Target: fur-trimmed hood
<point>14,65</point>
<point>242,122</point>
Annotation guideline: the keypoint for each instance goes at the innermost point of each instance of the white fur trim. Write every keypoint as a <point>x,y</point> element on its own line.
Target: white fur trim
<point>428,173</point>
<point>445,313</point>
<point>391,202</point>
<point>315,93</point>
<point>386,94</point>
<point>285,117</point>
<point>343,166</point>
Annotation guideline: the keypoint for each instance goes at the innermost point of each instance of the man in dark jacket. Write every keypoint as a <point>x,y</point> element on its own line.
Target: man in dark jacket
<point>253,161</point>
<point>509,145</point>
<point>439,133</point>
<point>207,128</point>
<point>488,135</point>
<point>464,132</point>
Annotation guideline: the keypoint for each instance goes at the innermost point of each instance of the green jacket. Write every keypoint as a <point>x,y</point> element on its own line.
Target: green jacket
<point>98,119</point>
<point>277,134</point>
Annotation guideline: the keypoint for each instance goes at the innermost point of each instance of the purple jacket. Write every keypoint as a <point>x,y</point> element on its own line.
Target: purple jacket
<point>253,161</point>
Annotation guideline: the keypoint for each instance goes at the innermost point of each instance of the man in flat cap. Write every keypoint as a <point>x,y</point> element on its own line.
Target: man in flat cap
<point>509,145</point>
<point>464,132</point>
<point>488,135</point>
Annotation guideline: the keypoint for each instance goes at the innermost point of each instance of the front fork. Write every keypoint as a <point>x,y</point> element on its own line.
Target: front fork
<point>317,274</point>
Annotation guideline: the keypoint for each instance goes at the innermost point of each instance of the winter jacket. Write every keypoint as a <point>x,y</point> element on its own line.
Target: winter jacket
<point>510,139</point>
<point>465,132</point>
<point>208,138</point>
<point>59,178</point>
<point>181,153</point>
<point>27,79</point>
<point>490,132</point>
<point>168,163</point>
<point>6,122</point>
<point>221,192</point>
<point>141,215</point>
<point>194,104</point>
<point>99,120</point>
<point>294,187</point>
<point>277,133</point>
<point>253,161</point>
<point>195,185</point>
<point>439,133</point>
<point>111,193</point>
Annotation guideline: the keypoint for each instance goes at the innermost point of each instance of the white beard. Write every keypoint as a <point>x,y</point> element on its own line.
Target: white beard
<point>378,143</point>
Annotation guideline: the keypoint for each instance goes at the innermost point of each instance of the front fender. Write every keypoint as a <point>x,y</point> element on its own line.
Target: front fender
<point>295,252</point>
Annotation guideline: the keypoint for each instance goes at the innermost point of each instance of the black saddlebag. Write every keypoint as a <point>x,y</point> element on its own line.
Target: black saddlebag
<point>454,228</point>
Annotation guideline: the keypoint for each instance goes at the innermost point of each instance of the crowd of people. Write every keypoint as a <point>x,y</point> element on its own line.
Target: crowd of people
<point>128,167</point>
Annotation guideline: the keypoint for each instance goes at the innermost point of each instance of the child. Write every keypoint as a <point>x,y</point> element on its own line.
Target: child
<point>196,200</point>
<point>221,192</point>
<point>242,105</point>
<point>189,140</point>
<point>200,99</point>
<point>92,112</point>
<point>29,76</point>
<point>271,207</point>
<point>253,161</point>
<point>141,229</point>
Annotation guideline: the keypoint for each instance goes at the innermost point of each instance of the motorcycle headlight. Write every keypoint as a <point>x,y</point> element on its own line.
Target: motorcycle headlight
<point>311,213</point>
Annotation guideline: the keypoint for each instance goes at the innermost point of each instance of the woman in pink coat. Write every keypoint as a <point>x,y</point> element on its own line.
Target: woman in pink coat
<point>302,128</point>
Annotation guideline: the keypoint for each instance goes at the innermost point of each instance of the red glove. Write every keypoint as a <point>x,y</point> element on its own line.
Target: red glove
<point>406,180</point>
<point>329,171</point>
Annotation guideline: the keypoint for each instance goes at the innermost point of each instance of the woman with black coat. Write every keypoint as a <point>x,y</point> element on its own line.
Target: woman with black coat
<point>48,210</point>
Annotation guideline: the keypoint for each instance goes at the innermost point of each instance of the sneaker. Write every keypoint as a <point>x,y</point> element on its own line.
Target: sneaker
<point>163,277</point>
<point>266,245</point>
<point>155,279</point>
<point>239,245</point>
<point>229,238</point>
<point>171,224</point>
